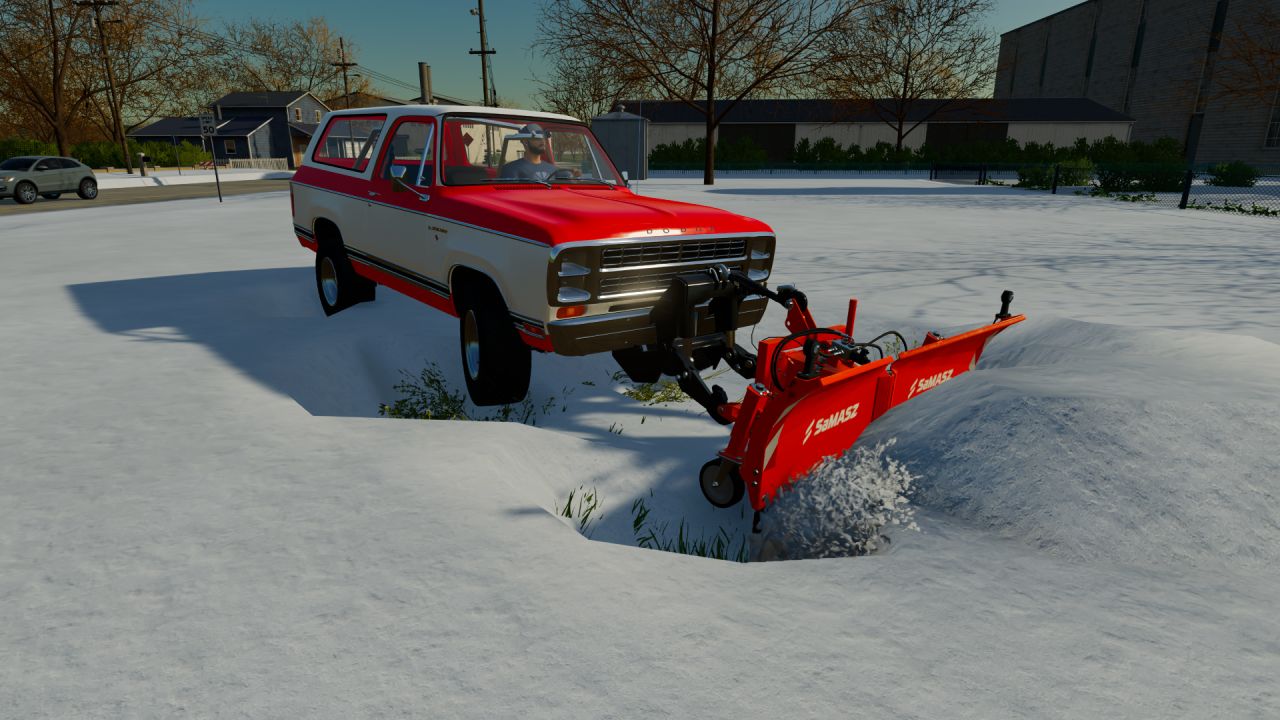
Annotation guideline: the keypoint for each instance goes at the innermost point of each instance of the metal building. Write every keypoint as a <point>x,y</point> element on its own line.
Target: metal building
<point>1160,62</point>
<point>625,136</point>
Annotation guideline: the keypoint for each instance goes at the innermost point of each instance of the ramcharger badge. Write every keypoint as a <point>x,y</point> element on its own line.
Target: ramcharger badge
<point>840,417</point>
<point>919,385</point>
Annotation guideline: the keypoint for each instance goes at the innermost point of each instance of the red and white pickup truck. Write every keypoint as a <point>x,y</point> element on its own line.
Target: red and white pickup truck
<point>518,224</point>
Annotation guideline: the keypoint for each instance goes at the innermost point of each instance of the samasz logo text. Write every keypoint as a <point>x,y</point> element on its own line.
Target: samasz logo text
<point>818,426</point>
<point>919,385</point>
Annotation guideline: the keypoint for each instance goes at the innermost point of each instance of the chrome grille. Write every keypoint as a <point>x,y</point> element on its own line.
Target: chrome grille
<point>664,253</point>
<point>642,282</point>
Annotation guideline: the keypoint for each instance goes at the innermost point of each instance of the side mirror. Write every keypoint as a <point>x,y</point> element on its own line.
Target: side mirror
<point>398,184</point>
<point>626,178</point>
<point>397,178</point>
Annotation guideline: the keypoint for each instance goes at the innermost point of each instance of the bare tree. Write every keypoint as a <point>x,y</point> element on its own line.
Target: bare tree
<point>266,56</point>
<point>40,54</point>
<point>585,88</point>
<point>697,51</point>
<point>911,59</point>
<point>1249,68</point>
<point>155,53</point>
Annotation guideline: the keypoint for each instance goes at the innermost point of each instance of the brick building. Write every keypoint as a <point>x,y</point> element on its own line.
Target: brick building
<point>1157,61</point>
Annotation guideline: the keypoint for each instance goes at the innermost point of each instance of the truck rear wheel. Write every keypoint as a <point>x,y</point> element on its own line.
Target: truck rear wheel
<point>495,361</point>
<point>337,283</point>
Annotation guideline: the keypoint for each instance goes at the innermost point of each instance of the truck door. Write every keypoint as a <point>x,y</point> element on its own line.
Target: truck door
<point>397,221</point>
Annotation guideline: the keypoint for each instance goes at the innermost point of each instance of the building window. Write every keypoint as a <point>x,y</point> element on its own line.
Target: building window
<point>317,116</point>
<point>1273,129</point>
<point>297,114</point>
<point>229,147</point>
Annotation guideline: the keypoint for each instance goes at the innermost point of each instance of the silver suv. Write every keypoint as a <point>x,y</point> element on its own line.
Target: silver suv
<point>25,178</point>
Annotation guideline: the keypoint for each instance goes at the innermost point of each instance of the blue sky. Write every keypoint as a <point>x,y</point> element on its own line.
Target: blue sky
<point>394,35</point>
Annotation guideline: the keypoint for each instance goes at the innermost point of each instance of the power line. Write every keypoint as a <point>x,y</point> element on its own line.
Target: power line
<point>223,43</point>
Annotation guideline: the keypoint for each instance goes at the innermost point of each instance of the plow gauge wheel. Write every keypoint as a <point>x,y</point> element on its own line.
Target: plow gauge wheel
<point>721,483</point>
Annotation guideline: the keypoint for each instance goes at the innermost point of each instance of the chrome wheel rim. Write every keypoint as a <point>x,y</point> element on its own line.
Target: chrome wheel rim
<point>28,193</point>
<point>329,281</point>
<point>471,344</point>
<point>91,189</point>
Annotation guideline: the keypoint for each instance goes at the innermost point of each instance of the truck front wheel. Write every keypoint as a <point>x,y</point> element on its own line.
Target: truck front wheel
<point>337,283</point>
<point>495,361</point>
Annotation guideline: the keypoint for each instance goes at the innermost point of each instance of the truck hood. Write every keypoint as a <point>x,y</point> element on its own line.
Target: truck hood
<point>560,215</point>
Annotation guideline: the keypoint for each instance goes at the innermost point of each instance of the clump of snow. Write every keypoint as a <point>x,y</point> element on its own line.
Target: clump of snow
<point>1100,442</point>
<point>841,509</point>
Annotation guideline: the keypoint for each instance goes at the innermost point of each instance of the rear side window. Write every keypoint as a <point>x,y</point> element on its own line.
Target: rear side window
<point>348,141</point>
<point>68,164</point>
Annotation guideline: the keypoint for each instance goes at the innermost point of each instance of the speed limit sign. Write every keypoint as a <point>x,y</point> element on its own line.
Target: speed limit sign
<point>208,126</point>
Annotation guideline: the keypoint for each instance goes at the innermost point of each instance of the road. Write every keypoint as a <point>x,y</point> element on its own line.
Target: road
<point>133,196</point>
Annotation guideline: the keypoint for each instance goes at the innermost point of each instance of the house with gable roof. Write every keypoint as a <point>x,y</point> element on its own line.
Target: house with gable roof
<point>250,125</point>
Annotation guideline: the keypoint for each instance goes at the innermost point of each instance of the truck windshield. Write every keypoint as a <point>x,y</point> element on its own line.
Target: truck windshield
<point>507,150</point>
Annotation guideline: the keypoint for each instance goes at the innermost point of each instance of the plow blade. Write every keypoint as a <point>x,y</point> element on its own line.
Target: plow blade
<point>792,420</point>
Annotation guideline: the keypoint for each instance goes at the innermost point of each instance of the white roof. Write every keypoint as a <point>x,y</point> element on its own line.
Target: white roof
<point>397,110</point>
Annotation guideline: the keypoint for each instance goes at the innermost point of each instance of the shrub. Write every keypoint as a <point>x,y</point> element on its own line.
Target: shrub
<point>1035,176</point>
<point>804,154</point>
<point>828,152</point>
<point>1233,174</point>
<point>15,147</point>
<point>1151,177</point>
<point>1078,171</point>
<point>743,151</point>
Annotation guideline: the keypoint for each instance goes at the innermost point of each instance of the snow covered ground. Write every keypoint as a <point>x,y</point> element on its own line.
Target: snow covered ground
<point>201,514</point>
<point>109,181</point>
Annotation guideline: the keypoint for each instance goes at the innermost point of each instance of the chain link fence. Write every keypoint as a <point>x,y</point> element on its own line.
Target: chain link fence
<point>1231,187</point>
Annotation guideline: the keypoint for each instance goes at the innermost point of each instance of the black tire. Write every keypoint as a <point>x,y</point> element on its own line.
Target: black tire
<point>24,193</point>
<point>722,494</point>
<point>88,189</point>
<point>337,284</point>
<point>495,361</point>
<point>51,196</point>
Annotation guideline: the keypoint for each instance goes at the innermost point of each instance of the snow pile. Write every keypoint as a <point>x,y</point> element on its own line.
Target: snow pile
<point>841,509</point>
<point>1095,441</point>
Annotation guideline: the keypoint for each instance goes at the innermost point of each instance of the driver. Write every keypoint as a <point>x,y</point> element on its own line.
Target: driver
<point>534,165</point>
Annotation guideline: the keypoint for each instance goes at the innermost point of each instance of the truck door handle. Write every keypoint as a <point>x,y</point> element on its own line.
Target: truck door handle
<point>373,194</point>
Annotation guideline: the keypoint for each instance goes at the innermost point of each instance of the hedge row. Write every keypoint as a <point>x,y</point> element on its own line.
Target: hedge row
<point>101,154</point>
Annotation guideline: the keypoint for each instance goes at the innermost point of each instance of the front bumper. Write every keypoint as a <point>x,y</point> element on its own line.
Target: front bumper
<point>633,328</point>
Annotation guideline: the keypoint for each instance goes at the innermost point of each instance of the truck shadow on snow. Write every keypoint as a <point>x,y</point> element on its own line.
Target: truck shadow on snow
<point>268,325</point>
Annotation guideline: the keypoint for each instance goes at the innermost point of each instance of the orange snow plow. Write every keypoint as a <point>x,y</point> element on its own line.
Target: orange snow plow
<point>814,392</point>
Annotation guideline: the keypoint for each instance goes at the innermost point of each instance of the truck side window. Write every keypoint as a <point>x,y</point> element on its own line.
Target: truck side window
<point>348,141</point>
<point>411,147</point>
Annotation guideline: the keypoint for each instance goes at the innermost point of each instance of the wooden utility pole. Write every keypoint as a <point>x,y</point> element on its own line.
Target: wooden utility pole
<point>112,95</point>
<point>342,63</point>
<point>484,52</point>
